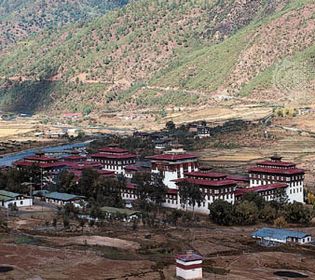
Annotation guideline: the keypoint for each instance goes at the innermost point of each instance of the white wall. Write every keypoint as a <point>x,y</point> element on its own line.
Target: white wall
<point>19,202</point>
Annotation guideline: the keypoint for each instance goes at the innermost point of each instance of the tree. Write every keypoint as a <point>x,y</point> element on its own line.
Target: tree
<point>108,192</point>
<point>87,182</point>
<point>174,216</point>
<point>158,190</point>
<point>267,214</point>
<point>255,198</point>
<point>66,221</point>
<point>143,182</point>
<point>280,222</point>
<point>296,213</point>
<point>221,212</point>
<point>190,194</point>
<point>246,213</point>
<point>170,125</point>
<point>66,182</point>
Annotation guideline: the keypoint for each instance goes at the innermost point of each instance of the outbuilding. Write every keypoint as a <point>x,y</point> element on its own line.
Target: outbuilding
<point>10,198</point>
<point>64,198</point>
<point>276,235</point>
<point>189,266</point>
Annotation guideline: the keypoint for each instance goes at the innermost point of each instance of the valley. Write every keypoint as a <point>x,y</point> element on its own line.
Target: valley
<point>180,55</point>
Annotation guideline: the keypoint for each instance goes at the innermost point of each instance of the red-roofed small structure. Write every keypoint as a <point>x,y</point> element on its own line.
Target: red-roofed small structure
<point>189,266</point>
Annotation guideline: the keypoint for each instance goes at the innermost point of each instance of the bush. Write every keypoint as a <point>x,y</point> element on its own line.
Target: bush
<point>246,213</point>
<point>221,212</point>
<point>297,213</point>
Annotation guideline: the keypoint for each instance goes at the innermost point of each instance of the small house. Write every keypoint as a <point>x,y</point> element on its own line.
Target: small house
<point>10,198</point>
<point>276,235</point>
<point>64,198</point>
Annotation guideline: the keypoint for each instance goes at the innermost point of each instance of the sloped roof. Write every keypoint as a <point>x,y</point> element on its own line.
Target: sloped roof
<point>276,233</point>
<point>63,196</point>
<point>189,257</point>
<point>9,194</point>
<point>262,188</point>
<point>124,211</point>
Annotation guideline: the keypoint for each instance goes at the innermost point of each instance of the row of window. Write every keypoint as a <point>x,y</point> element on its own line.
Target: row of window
<point>278,178</point>
<point>115,162</point>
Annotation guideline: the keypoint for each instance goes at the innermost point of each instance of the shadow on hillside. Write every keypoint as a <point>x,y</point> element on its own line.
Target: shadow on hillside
<point>26,96</point>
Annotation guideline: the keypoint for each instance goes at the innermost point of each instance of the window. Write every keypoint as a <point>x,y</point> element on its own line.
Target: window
<point>21,202</point>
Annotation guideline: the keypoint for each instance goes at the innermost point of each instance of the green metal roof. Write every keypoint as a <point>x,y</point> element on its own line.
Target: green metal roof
<point>9,194</point>
<point>5,198</point>
<point>40,192</point>
<point>62,196</point>
<point>123,211</point>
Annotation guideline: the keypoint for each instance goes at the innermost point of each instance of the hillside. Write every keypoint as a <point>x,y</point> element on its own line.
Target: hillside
<point>22,18</point>
<point>153,55</point>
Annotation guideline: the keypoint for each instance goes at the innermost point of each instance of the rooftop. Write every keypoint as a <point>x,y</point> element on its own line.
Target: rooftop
<point>207,183</point>
<point>240,192</point>
<point>276,233</point>
<point>40,158</point>
<point>189,257</point>
<point>63,196</point>
<point>113,156</point>
<point>277,163</point>
<point>278,171</point>
<point>9,194</point>
<point>214,175</point>
<point>172,157</point>
<point>122,211</point>
<point>113,150</point>
<point>40,164</point>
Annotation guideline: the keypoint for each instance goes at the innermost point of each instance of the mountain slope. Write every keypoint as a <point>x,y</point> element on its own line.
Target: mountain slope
<point>21,18</point>
<point>152,54</point>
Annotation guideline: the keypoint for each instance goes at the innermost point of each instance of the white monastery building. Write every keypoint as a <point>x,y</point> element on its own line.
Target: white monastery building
<point>173,165</point>
<point>114,159</point>
<point>279,174</point>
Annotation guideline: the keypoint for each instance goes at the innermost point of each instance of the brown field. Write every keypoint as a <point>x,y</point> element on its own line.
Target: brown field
<point>118,252</point>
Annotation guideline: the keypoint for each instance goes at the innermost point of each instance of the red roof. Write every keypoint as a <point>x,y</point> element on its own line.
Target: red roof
<point>240,192</point>
<point>278,171</point>
<point>172,191</point>
<point>205,174</point>
<point>40,158</point>
<point>238,178</point>
<point>114,150</point>
<point>41,164</point>
<point>172,157</point>
<point>105,173</point>
<point>74,158</point>
<point>133,168</point>
<point>83,165</point>
<point>131,186</point>
<point>113,156</point>
<point>277,163</point>
<point>207,183</point>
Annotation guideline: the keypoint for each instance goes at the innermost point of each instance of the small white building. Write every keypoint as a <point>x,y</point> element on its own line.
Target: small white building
<point>276,235</point>
<point>10,198</point>
<point>62,199</point>
<point>189,266</point>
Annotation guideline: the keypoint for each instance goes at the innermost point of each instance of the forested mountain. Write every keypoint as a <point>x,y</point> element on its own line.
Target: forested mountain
<point>21,18</point>
<point>157,53</point>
